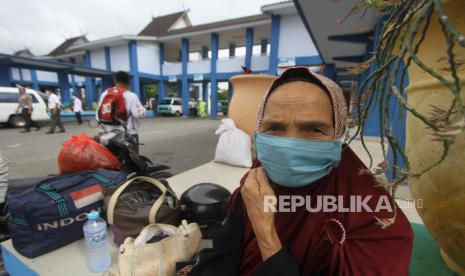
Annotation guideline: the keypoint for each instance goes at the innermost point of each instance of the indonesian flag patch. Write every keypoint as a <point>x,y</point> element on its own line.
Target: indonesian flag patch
<point>87,196</point>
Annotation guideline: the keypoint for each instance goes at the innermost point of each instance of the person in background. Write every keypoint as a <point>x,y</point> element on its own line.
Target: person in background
<point>54,106</point>
<point>77,108</point>
<point>134,108</point>
<point>25,107</point>
<point>202,109</point>
<point>192,108</point>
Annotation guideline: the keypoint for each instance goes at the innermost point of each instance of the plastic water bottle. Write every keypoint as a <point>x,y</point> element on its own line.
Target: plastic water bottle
<point>95,233</point>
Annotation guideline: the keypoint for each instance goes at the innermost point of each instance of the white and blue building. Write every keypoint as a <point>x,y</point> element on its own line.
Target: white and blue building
<point>194,59</point>
<point>170,51</point>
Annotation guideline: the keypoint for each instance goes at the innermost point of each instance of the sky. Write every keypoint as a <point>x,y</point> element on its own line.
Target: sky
<point>43,25</point>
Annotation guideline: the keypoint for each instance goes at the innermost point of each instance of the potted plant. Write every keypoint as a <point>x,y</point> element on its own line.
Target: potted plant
<point>424,41</point>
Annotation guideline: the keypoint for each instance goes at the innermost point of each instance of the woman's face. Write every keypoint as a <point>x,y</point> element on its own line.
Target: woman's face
<point>299,110</point>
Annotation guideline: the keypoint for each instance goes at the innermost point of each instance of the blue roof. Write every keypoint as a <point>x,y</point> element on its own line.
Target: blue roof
<point>49,65</point>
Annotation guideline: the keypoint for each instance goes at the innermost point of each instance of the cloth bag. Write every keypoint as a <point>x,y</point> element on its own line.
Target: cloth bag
<point>127,221</point>
<point>234,145</point>
<point>142,257</point>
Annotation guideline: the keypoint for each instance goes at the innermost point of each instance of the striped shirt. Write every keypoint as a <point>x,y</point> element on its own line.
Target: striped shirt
<point>25,101</point>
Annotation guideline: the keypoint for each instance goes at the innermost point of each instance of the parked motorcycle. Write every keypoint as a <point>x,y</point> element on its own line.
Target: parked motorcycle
<point>124,146</point>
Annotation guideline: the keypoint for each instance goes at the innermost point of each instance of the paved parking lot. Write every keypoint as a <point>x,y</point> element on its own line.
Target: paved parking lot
<point>180,143</point>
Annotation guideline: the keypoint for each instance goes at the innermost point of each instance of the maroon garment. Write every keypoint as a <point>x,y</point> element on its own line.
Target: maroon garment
<point>313,239</point>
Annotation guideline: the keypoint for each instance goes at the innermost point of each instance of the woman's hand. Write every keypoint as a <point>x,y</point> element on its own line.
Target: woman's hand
<point>255,192</point>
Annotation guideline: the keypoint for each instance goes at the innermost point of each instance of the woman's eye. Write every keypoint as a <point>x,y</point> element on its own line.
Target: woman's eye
<point>273,128</point>
<point>314,130</point>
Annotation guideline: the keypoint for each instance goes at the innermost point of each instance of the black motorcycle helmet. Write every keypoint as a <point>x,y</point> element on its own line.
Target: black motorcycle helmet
<point>205,204</point>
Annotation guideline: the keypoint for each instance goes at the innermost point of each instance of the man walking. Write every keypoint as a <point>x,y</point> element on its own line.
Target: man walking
<point>54,106</point>
<point>77,108</point>
<point>25,107</point>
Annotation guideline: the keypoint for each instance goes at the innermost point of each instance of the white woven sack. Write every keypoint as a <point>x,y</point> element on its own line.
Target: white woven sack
<point>233,146</point>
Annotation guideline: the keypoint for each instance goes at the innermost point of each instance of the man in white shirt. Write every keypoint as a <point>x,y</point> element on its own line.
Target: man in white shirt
<point>77,108</point>
<point>54,106</point>
<point>134,107</point>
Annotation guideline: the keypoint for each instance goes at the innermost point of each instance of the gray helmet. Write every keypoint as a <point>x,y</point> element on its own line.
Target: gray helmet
<point>205,204</point>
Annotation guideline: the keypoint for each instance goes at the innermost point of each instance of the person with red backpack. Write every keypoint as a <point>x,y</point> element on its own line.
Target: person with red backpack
<point>118,104</point>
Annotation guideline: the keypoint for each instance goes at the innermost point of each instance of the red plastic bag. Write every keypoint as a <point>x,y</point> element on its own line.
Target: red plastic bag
<point>82,153</point>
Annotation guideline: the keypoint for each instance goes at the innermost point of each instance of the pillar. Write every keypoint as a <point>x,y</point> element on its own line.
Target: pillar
<point>88,83</point>
<point>274,44</point>
<point>213,77</point>
<point>133,67</point>
<point>161,82</point>
<point>248,47</point>
<point>35,81</point>
<point>63,83</point>
<point>184,77</point>
<point>73,80</point>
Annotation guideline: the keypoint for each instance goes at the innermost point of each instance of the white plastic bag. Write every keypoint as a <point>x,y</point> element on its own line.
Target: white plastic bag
<point>233,146</point>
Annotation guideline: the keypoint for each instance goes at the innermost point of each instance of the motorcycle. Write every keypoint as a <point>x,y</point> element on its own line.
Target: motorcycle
<point>125,146</point>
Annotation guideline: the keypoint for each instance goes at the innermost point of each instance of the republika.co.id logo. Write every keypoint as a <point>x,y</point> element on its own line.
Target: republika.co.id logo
<point>331,203</point>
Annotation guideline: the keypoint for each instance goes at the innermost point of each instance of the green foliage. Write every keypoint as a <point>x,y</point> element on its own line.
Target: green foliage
<point>151,91</point>
<point>223,95</point>
<point>173,89</point>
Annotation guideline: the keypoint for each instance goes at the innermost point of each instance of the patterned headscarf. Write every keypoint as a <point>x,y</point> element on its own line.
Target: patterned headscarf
<point>334,92</point>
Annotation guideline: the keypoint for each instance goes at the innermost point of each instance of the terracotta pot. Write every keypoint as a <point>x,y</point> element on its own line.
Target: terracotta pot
<point>443,188</point>
<point>249,90</point>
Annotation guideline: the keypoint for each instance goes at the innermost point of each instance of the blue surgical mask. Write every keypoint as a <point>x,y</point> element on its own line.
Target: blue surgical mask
<point>296,162</point>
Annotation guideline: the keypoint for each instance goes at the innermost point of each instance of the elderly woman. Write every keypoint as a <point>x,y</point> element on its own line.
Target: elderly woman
<point>298,142</point>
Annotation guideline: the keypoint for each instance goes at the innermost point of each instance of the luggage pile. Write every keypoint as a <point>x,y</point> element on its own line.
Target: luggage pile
<point>142,212</point>
<point>145,216</point>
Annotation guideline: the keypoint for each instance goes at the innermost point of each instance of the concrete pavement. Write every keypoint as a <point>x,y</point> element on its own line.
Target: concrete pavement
<point>180,143</point>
